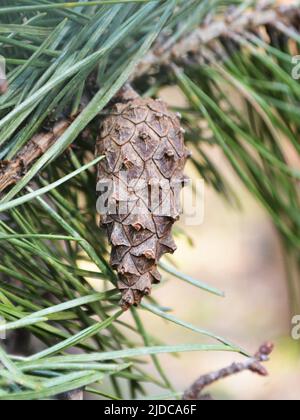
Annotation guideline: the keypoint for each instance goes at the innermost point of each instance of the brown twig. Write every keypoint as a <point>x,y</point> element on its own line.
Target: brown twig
<point>163,53</point>
<point>12,171</point>
<point>195,392</point>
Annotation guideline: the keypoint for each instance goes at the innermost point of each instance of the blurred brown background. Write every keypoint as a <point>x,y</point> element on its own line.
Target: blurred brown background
<point>239,253</point>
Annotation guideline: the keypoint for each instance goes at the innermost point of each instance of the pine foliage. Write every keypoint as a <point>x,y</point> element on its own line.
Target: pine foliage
<point>67,63</point>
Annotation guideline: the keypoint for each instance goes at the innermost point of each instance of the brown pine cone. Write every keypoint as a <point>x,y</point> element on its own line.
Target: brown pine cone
<point>142,176</point>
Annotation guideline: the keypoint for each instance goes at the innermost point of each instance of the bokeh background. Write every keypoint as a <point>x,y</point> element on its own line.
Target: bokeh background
<point>237,251</point>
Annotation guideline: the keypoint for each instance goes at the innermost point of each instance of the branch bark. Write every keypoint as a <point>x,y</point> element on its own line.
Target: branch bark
<point>12,171</point>
<point>281,17</point>
<point>195,392</point>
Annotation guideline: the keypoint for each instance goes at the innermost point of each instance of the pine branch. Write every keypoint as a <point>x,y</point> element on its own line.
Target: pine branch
<point>35,254</point>
<point>195,392</point>
<point>12,171</point>
<point>234,22</point>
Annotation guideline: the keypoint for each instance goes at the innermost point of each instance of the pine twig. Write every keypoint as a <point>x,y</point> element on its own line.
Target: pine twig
<point>12,171</point>
<point>195,392</point>
<point>164,53</point>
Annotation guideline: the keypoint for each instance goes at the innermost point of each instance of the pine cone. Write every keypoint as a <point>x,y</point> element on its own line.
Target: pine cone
<point>145,156</point>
